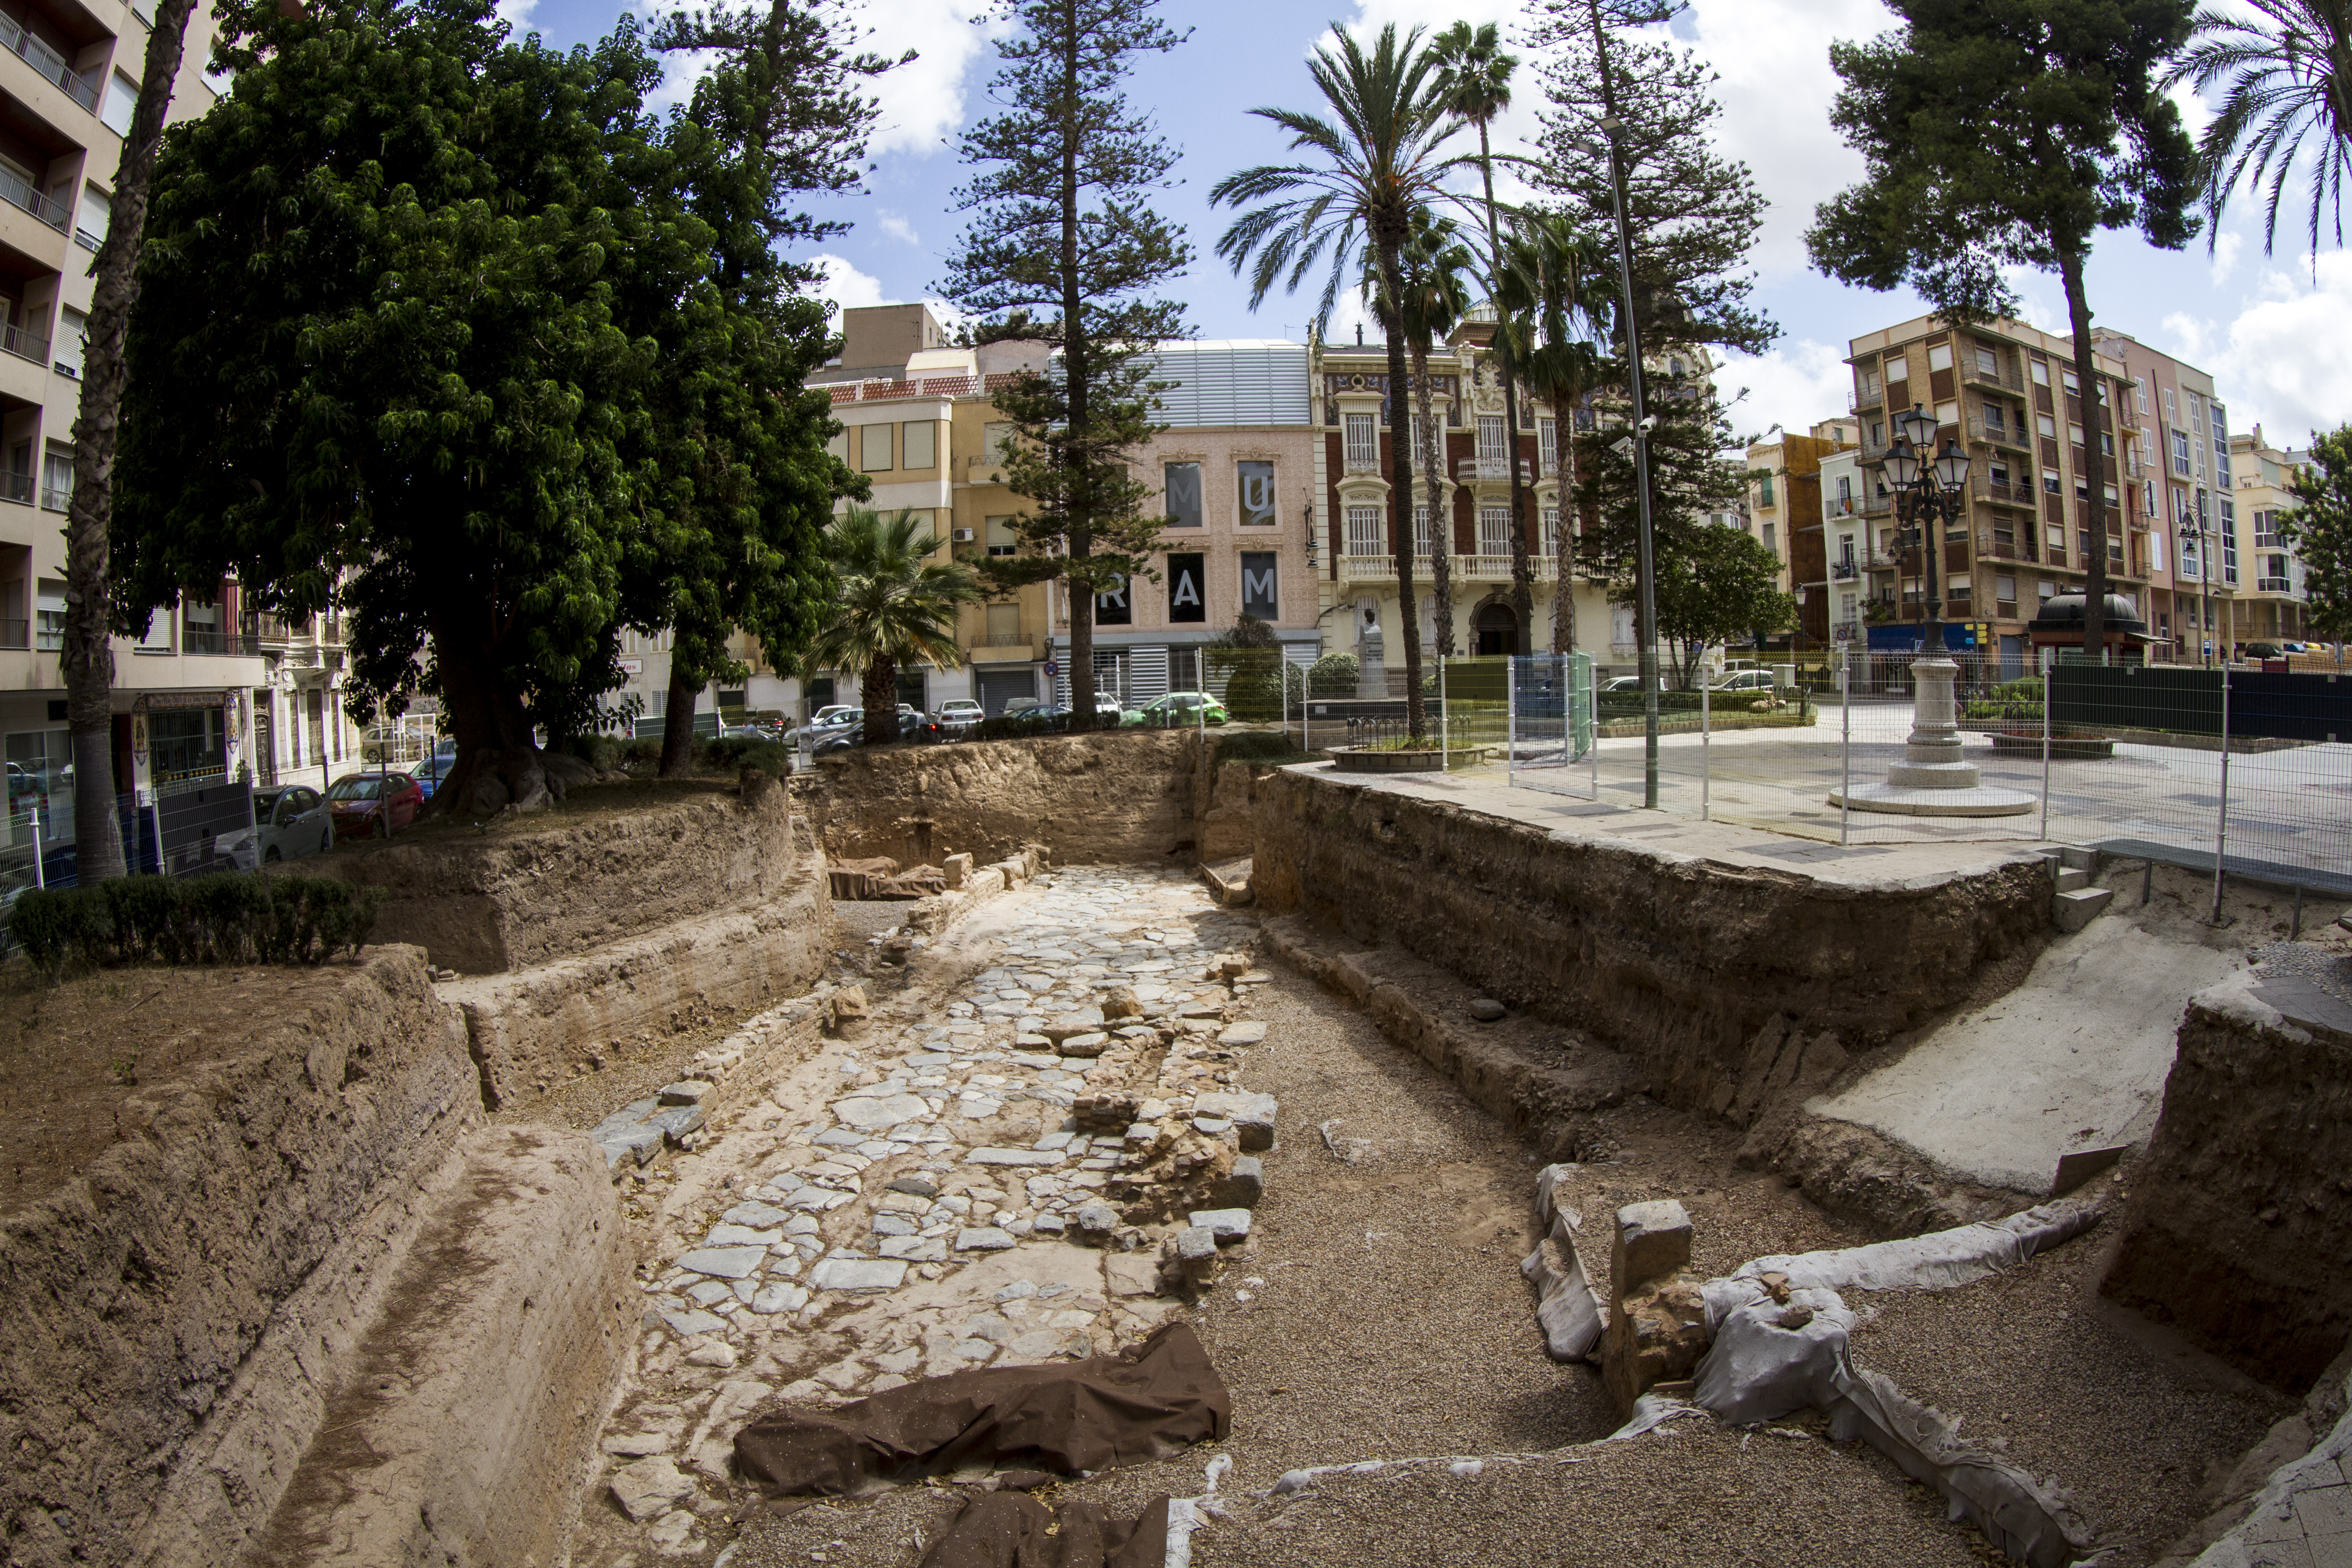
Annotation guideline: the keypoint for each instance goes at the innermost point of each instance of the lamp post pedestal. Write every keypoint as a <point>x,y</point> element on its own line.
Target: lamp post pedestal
<point>1931,780</point>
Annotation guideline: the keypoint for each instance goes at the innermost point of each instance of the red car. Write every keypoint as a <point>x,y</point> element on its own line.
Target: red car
<point>374,805</point>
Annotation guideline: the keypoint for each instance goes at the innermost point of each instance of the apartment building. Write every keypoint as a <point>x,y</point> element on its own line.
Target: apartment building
<point>1846,548</point>
<point>2272,603</point>
<point>1785,513</point>
<point>1359,581</point>
<point>2180,464</point>
<point>2007,393</point>
<point>212,687</point>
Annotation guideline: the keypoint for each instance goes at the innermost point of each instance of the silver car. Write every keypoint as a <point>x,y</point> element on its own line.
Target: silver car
<point>290,821</point>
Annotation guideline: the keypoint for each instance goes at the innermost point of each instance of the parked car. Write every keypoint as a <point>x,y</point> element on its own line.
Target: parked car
<point>429,772</point>
<point>957,715</point>
<point>22,780</point>
<point>1746,680</point>
<point>1621,683</point>
<point>830,712</point>
<point>1176,708</point>
<point>374,805</point>
<point>288,821</point>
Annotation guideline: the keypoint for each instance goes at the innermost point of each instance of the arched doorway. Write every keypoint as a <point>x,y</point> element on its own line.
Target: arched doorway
<point>1496,630</point>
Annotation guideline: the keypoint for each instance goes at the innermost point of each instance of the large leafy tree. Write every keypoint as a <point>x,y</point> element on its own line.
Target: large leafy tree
<point>1379,158</point>
<point>379,359</point>
<point>2008,133</point>
<point>2287,106</point>
<point>87,656</point>
<point>892,607</point>
<point>1435,266</point>
<point>737,488</point>
<point>1064,245</point>
<point>2320,528</point>
<point>1474,82</point>
<point>1722,585</point>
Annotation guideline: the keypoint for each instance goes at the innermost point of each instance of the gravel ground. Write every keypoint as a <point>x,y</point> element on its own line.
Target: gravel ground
<point>2329,970</point>
<point>2128,1420</point>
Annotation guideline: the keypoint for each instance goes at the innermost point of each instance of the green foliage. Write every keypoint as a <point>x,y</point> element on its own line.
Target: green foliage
<point>2289,68</point>
<point>2320,529</point>
<point>892,607</point>
<point>742,752</point>
<point>1253,681</point>
<point>229,918</point>
<point>1064,243</point>
<point>1255,746</point>
<point>1719,585</point>
<point>1334,675</point>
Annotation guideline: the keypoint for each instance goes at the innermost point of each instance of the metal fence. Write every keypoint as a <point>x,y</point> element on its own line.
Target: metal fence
<point>2246,770</point>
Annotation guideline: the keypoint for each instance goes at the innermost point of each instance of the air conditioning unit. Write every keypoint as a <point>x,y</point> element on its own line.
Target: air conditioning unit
<point>963,535</point>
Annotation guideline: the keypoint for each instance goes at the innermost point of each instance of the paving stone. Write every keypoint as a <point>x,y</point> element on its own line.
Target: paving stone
<point>678,1121</point>
<point>1130,1274</point>
<point>743,1235</point>
<point>875,1115</point>
<point>725,1262</point>
<point>621,1121</point>
<point>1098,1220</point>
<point>1089,1045</point>
<point>756,1214</point>
<point>1252,1116</point>
<point>1043,1344</point>
<point>1014,1157</point>
<point>706,1293</point>
<point>686,1092</point>
<point>650,1486</point>
<point>1196,1242</point>
<point>1230,1225</point>
<point>685,1324</point>
<point>716,1352</point>
<point>636,1144</point>
<point>1238,1035</point>
<point>915,1248</point>
<point>1048,1224</point>
<point>1086,1020</point>
<point>859,1274</point>
<point>984,1238</point>
<point>837,1137</point>
<point>894,1224</point>
<point>636,1444</point>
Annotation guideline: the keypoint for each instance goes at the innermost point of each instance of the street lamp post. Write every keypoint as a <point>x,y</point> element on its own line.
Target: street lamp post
<point>1932,780</point>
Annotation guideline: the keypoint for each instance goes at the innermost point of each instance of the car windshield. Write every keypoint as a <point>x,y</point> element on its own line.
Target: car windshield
<point>264,801</point>
<point>359,786</point>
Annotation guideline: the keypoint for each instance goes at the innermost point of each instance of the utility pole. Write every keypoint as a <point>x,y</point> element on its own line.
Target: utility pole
<point>1646,629</point>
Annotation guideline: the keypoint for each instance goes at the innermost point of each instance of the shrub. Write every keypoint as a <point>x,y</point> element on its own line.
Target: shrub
<point>602,752</point>
<point>230,918</point>
<point>1253,689</point>
<point>739,751</point>
<point>642,752</point>
<point>1256,745</point>
<point>1334,675</point>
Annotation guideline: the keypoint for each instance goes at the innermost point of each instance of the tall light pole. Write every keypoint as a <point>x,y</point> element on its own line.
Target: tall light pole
<point>1926,488</point>
<point>2194,527</point>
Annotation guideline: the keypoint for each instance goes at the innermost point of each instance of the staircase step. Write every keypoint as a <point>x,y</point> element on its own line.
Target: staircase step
<point>2073,911</point>
<point>2079,859</point>
<point>2069,880</point>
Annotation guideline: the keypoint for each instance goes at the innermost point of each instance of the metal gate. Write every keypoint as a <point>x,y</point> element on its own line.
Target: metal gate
<point>1000,686</point>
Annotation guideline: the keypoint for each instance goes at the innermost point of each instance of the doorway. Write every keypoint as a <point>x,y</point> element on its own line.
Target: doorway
<point>1496,630</point>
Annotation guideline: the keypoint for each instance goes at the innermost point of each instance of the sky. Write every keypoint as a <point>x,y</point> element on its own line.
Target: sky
<point>2275,331</point>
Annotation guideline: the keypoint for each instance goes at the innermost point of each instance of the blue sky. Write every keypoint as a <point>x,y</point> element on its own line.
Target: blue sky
<point>2278,338</point>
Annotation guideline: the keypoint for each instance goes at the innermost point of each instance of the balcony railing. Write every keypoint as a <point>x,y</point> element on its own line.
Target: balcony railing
<point>1000,640</point>
<point>927,387</point>
<point>17,635</point>
<point>53,500</point>
<point>1844,571</point>
<point>1462,568</point>
<point>1490,470</point>
<point>2274,586</point>
<point>1360,463</point>
<point>18,191</point>
<point>2009,380</point>
<point>25,345</point>
<point>17,488</point>
<point>2002,435</point>
<point>212,641</point>
<point>2004,493</point>
<point>1999,549</point>
<point>1862,397</point>
<point>48,62</point>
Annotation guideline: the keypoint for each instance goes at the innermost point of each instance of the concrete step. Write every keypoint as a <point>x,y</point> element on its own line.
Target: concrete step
<point>2073,911</point>
<point>2069,880</point>
<point>2079,859</point>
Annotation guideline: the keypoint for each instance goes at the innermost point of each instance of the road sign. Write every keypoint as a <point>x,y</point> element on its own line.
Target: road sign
<point>1052,670</point>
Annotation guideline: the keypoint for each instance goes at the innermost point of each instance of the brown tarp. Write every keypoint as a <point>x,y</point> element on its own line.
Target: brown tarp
<point>1007,1529</point>
<point>1063,1418</point>
<point>855,880</point>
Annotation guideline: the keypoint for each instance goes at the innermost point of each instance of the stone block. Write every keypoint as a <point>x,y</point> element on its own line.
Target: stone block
<point>1243,1034</point>
<point>2073,911</point>
<point>859,1274</point>
<point>678,1121</point>
<point>1130,1274</point>
<point>957,868</point>
<point>650,1486</point>
<point>984,1238</point>
<point>725,1262</point>
<point>1652,1240</point>
<point>1091,1044</point>
<point>1658,1333</point>
<point>1243,1185</point>
<point>634,1145</point>
<point>1084,1021</point>
<point>1229,1225</point>
<point>1252,1116</point>
<point>1121,1001</point>
<point>686,1092</point>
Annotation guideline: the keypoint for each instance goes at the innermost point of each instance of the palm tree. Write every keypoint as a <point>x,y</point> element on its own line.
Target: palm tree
<point>2289,69</point>
<point>1380,158</point>
<point>892,607</point>
<point>1434,264</point>
<point>1475,82</point>
<point>1553,309</point>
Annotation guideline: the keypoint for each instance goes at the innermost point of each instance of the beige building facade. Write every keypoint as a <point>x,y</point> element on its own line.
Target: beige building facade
<point>2273,603</point>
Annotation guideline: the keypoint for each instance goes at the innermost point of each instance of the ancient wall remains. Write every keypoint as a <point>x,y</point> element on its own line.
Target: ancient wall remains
<point>1678,962</point>
<point>2237,1231</point>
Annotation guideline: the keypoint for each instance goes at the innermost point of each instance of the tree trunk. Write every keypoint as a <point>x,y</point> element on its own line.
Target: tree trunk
<point>678,716</point>
<point>499,767</point>
<point>88,656</point>
<point>2094,587</point>
<point>1076,369</point>
<point>1441,525</point>
<point>1416,717</point>
<point>1563,602</point>
<point>1523,594</point>
<point>877,692</point>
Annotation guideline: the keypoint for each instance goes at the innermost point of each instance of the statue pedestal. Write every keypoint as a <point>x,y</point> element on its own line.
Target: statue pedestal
<point>1931,780</point>
<point>1371,674</point>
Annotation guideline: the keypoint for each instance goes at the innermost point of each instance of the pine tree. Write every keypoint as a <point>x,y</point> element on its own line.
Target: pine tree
<point>2009,133</point>
<point>1064,239</point>
<point>2320,529</point>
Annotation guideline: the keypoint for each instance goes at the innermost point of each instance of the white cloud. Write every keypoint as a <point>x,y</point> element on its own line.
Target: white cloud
<point>2225,254</point>
<point>516,15</point>
<point>1795,386</point>
<point>2285,358</point>
<point>923,101</point>
<point>895,225</point>
<point>844,287</point>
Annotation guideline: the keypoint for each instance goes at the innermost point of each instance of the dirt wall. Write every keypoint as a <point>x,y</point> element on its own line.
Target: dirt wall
<point>1679,963</point>
<point>158,1301</point>
<point>2237,1231</point>
<point>494,904</point>
<point>1117,798</point>
<point>535,1027</point>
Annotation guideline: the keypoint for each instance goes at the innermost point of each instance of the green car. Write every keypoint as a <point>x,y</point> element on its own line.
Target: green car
<point>1176,707</point>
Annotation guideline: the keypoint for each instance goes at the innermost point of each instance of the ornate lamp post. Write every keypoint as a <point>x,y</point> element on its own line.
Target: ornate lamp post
<point>1931,780</point>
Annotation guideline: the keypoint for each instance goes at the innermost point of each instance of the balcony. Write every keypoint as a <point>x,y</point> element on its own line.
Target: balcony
<point>1859,398</point>
<point>2012,437</point>
<point>2001,493</point>
<point>1461,569</point>
<point>18,193</point>
<point>216,643</point>
<point>17,488</point>
<point>18,42</point>
<point>25,345</point>
<point>1841,506</point>
<point>15,636</point>
<point>1977,375</point>
<point>1877,506</point>
<point>1988,543</point>
<point>2274,586</point>
<point>55,500</point>
<point>1360,463</point>
<point>1491,568</point>
<point>1490,472</point>
<point>1844,571</point>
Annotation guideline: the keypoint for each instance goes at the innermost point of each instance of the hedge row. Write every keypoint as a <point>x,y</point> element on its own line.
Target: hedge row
<point>229,918</point>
